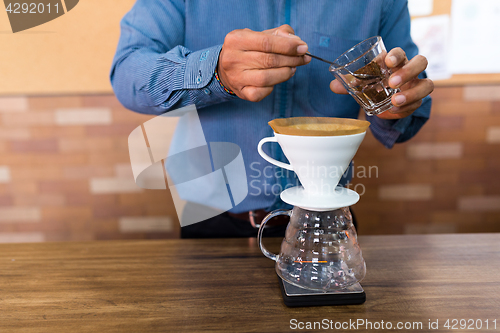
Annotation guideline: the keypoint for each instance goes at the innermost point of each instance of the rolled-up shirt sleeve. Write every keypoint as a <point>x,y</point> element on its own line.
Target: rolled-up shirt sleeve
<point>389,132</point>
<point>152,72</point>
<point>395,31</point>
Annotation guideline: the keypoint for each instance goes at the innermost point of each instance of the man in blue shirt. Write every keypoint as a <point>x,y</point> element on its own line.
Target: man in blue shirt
<point>241,63</point>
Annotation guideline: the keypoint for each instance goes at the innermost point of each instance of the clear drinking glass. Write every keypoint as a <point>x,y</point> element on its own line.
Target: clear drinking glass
<point>320,250</point>
<point>363,73</point>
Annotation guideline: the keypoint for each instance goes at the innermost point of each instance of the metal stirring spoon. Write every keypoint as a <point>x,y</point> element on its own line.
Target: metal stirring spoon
<point>356,75</point>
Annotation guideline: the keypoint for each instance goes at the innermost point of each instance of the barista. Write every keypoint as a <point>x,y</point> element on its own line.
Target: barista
<point>242,64</point>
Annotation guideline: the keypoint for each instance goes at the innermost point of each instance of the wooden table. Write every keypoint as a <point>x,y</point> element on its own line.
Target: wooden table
<point>229,286</point>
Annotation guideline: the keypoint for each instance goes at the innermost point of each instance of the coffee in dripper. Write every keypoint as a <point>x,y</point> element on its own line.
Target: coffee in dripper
<point>320,250</point>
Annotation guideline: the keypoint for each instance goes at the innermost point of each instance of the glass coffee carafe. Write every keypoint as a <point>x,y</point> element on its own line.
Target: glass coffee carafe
<point>320,250</point>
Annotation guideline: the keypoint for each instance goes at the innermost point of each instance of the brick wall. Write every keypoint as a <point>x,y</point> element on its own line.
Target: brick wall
<point>443,180</point>
<point>65,173</point>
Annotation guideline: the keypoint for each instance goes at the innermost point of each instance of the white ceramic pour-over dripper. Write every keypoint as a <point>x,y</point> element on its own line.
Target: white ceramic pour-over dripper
<point>319,162</point>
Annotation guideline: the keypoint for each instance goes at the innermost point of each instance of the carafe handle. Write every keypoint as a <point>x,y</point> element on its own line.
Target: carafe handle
<point>270,159</point>
<point>269,216</point>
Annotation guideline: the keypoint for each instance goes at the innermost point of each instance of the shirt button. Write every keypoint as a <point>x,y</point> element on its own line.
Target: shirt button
<point>207,91</point>
<point>198,79</point>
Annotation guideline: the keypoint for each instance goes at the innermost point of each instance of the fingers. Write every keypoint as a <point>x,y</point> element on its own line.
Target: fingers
<point>285,31</point>
<point>248,40</point>
<point>259,60</point>
<point>408,71</point>
<point>268,77</point>
<point>337,87</point>
<point>263,82</point>
<point>405,76</point>
<point>400,112</point>
<point>415,91</point>
<point>251,62</point>
<point>254,85</point>
<point>396,58</point>
<point>411,99</point>
<point>255,94</point>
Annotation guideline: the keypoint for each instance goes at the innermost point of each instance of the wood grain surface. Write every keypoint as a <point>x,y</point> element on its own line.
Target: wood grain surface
<point>229,286</point>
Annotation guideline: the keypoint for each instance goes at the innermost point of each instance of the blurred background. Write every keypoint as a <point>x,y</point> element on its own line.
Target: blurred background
<point>65,172</point>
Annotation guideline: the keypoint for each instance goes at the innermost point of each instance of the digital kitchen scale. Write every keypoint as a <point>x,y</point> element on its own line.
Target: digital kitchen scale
<point>294,296</point>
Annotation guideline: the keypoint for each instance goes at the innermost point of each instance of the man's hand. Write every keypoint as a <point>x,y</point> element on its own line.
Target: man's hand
<point>404,76</point>
<point>251,62</point>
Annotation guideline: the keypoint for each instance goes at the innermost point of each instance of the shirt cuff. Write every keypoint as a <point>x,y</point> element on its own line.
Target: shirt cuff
<point>200,67</point>
<point>200,79</point>
<point>388,131</point>
<point>210,94</point>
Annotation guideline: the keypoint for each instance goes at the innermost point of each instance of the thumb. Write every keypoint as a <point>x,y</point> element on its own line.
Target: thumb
<point>337,87</point>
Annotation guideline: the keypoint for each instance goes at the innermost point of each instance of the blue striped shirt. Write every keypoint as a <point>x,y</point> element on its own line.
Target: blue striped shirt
<point>168,51</point>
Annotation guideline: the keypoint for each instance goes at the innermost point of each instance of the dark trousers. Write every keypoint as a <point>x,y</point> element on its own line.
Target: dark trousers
<point>226,226</point>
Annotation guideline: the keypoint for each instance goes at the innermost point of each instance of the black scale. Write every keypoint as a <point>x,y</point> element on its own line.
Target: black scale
<point>294,296</point>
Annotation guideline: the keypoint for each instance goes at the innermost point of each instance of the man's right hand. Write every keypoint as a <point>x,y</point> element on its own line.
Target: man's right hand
<point>252,62</point>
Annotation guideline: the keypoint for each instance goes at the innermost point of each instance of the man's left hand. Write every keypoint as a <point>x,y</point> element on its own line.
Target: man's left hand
<point>404,76</point>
